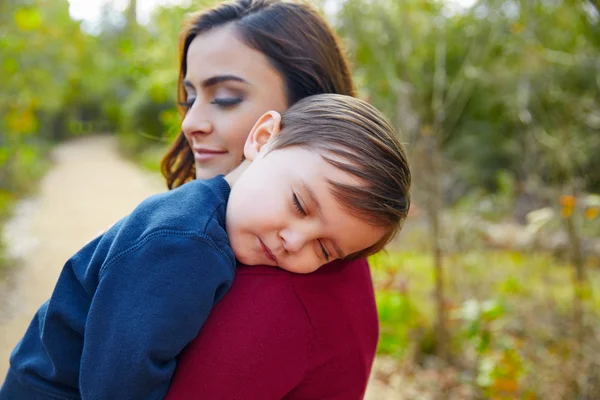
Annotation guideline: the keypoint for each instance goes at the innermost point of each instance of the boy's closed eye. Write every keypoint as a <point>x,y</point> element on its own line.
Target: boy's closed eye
<point>302,211</point>
<point>324,250</point>
<point>298,205</point>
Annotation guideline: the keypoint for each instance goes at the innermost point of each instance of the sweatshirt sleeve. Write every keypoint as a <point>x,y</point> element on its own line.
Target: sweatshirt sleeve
<point>151,301</point>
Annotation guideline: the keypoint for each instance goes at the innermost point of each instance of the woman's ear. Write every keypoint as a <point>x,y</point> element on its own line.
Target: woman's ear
<point>264,129</point>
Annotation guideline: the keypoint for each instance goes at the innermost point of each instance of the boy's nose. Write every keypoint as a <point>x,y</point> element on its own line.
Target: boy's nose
<point>294,240</point>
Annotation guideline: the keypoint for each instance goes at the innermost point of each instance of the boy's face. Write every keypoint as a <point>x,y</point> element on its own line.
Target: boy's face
<point>281,212</point>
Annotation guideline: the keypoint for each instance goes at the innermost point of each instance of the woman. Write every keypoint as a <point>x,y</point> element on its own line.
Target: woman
<point>276,334</point>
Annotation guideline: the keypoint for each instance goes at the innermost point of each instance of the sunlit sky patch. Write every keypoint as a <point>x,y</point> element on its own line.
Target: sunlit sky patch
<point>90,10</point>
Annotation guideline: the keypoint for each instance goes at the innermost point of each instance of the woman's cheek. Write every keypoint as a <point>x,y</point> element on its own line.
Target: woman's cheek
<point>234,136</point>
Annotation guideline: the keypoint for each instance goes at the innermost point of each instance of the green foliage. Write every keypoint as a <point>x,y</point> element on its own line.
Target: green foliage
<point>510,317</point>
<point>516,88</point>
<point>396,308</point>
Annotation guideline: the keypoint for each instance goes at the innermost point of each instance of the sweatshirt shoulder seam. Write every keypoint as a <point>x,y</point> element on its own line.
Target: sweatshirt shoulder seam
<point>192,235</point>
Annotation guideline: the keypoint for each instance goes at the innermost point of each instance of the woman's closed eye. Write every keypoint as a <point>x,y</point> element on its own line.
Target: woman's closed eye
<point>220,102</point>
<point>226,101</point>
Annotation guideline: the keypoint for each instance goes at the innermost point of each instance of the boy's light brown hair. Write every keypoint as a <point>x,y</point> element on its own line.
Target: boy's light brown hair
<point>355,137</point>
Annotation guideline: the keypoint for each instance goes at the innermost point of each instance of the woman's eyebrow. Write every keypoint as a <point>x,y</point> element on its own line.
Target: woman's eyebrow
<point>215,80</point>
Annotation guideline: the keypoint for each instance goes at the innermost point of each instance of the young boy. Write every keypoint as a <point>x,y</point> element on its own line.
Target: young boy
<point>325,180</point>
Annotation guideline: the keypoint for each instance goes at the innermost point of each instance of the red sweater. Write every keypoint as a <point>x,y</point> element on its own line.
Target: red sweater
<point>278,335</point>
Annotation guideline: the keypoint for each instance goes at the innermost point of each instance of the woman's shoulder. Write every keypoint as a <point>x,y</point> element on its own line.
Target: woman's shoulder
<point>337,303</point>
<point>273,323</point>
<point>337,282</point>
<point>338,295</point>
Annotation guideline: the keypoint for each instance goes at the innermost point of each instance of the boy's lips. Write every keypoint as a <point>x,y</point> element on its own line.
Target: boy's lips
<point>267,252</point>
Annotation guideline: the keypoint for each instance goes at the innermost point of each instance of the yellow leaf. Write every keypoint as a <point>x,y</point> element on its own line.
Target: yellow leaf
<point>28,19</point>
<point>529,396</point>
<point>505,385</point>
<point>568,204</point>
<point>592,213</point>
<point>21,121</point>
<point>566,212</point>
<point>567,201</point>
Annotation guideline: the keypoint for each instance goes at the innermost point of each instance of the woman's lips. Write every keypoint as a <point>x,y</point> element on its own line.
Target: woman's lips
<point>203,155</point>
<point>267,252</point>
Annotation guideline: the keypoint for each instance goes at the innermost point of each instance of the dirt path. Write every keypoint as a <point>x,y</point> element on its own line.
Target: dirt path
<point>88,188</point>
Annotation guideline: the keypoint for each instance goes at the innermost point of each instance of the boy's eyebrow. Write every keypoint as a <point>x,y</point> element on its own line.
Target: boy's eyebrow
<point>314,200</point>
<point>213,80</point>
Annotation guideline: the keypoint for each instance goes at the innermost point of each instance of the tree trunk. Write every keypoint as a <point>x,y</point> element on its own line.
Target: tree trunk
<point>131,14</point>
<point>578,297</point>
<point>434,212</point>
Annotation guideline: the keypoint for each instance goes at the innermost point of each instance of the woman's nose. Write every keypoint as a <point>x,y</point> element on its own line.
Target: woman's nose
<point>196,122</point>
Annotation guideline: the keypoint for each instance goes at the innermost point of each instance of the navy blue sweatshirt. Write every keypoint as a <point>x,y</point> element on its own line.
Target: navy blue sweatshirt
<point>128,302</point>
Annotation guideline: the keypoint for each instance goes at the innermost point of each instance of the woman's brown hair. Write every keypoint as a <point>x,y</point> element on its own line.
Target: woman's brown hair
<point>296,40</point>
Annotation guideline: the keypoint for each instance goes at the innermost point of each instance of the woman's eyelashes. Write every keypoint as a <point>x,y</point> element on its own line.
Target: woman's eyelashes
<point>220,102</point>
<point>227,102</point>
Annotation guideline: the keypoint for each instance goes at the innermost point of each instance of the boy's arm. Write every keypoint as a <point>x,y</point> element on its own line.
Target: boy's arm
<point>150,303</point>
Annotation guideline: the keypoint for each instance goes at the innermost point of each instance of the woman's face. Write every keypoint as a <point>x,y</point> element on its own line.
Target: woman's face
<point>229,86</point>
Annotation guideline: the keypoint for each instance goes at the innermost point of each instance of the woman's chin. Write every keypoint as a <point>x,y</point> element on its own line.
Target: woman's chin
<point>206,173</point>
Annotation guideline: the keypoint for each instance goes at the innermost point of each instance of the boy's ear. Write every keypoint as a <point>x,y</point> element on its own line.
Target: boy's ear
<point>264,129</point>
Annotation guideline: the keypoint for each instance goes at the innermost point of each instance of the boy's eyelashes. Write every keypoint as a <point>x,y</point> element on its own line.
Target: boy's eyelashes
<point>302,211</point>
<point>324,250</point>
<point>298,206</point>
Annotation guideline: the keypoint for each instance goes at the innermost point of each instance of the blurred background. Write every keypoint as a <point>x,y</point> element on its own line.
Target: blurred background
<point>492,289</point>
